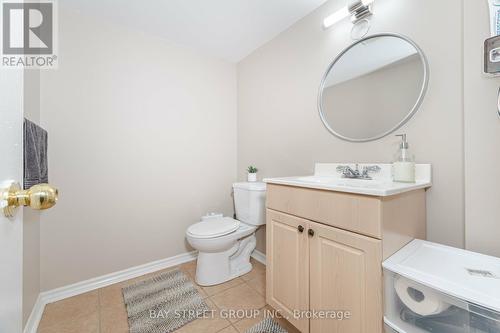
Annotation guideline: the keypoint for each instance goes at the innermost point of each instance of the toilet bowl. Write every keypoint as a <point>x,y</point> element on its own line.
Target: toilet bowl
<point>224,244</point>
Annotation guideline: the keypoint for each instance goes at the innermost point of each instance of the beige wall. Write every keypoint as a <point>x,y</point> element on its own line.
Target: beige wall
<point>482,137</point>
<point>31,218</point>
<point>279,129</point>
<point>142,143</point>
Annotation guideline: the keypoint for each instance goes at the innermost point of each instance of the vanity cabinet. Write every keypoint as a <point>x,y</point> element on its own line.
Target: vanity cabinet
<point>345,275</point>
<point>325,251</point>
<point>287,262</point>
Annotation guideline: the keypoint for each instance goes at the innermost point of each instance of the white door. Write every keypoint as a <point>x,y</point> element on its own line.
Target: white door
<point>11,229</point>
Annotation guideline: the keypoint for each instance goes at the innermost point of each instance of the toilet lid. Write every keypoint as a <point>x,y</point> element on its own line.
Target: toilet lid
<point>214,228</point>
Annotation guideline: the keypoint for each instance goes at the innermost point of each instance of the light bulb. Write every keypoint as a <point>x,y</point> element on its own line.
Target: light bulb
<point>336,17</point>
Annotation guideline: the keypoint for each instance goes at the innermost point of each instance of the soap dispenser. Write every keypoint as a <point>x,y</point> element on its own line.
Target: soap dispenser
<point>403,168</point>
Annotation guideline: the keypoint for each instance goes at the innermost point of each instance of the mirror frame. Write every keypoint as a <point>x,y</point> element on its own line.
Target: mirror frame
<point>413,110</point>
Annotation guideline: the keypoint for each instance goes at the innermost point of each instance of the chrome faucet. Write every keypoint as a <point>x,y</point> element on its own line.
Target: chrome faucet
<point>348,172</point>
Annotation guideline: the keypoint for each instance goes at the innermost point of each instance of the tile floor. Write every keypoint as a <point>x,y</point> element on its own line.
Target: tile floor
<point>103,310</point>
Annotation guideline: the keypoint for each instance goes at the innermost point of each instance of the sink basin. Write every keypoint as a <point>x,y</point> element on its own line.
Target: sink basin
<point>327,178</point>
<point>316,179</point>
<point>338,181</point>
<point>360,183</point>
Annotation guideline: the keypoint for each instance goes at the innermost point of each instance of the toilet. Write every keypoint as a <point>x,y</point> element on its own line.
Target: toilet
<point>224,244</point>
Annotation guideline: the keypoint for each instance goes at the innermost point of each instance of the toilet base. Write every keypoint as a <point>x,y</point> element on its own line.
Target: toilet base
<point>217,268</point>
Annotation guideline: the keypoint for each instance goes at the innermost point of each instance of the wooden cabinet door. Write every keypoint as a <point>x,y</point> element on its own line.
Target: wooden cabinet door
<point>287,271</point>
<point>345,275</point>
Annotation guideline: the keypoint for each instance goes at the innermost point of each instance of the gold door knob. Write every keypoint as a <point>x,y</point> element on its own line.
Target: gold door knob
<point>39,197</point>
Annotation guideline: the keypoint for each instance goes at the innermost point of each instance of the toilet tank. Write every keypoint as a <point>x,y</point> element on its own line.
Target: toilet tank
<point>250,202</point>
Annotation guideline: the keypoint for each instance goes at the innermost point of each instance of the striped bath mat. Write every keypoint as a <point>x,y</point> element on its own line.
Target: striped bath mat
<point>268,325</point>
<point>163,303</point>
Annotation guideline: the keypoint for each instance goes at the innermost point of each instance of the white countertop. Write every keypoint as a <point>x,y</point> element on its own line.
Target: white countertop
<point>327,178</point>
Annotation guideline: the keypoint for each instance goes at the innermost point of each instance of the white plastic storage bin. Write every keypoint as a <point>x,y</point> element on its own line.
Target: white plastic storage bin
<point>436,288</point>
<point>388,329</point>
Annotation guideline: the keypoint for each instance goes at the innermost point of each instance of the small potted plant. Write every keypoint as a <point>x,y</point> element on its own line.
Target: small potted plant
<point>252,174</point>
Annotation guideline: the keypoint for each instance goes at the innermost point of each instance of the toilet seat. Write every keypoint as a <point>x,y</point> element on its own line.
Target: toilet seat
<point>213,228</point>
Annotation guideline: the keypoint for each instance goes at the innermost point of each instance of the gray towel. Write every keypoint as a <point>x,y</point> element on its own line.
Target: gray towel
<point>35,155</point>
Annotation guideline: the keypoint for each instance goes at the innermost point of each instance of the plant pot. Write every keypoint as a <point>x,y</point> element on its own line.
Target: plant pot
<point>252,177</point>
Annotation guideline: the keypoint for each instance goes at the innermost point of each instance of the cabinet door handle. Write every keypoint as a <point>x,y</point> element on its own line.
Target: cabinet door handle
<point>300,228</point>
<point>311,232</point>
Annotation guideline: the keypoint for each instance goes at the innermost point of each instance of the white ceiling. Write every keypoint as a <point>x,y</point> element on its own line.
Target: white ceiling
<point>229,29</point>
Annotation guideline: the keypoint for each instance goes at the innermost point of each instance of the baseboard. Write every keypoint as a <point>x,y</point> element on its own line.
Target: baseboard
<point>58,294</point>
<point>109,279</point>
<point>259,256</point>
<point>35,316</point>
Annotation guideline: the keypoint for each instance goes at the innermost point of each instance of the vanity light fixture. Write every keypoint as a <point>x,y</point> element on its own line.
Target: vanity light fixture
<point>357,9</point>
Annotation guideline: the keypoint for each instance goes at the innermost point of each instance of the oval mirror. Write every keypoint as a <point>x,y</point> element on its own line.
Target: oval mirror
<point>373,87</point>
